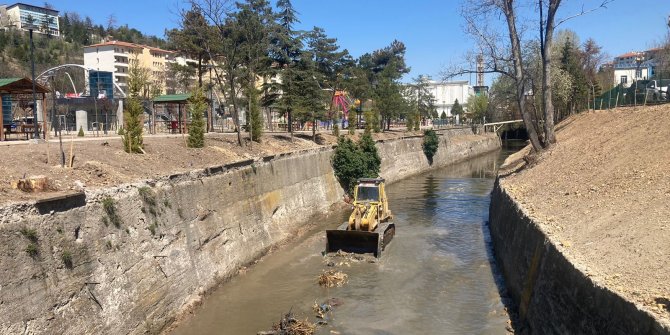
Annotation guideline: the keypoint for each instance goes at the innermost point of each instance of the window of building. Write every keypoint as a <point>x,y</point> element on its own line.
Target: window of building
<point>624,79</point>
<point>638,73</point>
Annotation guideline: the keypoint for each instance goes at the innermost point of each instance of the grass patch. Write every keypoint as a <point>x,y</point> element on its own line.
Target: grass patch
<point>152,229</point>
<point>32,250</point>
<point>109,245</point>
<point>109,205</point>
<point>66,257</point>
<point>149,199</point>
<point>30,234</point>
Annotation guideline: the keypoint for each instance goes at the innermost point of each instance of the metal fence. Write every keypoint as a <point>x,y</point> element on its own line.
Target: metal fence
<point>639,93</point>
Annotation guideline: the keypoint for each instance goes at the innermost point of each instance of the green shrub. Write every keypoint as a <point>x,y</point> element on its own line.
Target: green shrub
<point>120,131</point>
<point>355,160</point>
<point>32,250</point>
<point>66,257</point>
<point>81,132</point>
<point>352,122</point>
<point>430,144</point>
<point>109,207</point>
<point>149,199</point>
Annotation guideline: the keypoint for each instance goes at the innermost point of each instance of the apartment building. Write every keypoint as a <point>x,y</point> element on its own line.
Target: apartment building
<point>24,16</point>
<point>116,57</point>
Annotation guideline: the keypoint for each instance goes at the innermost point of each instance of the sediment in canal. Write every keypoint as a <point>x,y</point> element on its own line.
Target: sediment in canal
<point>132,258</point>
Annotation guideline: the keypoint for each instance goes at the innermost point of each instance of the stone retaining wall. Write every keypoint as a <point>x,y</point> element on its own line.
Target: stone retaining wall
<point>130,259</point>
<point>551,294</point>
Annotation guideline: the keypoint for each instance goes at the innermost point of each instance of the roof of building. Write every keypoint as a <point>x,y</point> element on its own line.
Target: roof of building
<point>629,54</point>
<point>128,45</point>
<point>29,5</point>
<point>20,86</point>
<point>173,98</point>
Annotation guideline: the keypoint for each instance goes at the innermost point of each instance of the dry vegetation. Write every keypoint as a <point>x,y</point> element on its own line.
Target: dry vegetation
<point>332,278</point>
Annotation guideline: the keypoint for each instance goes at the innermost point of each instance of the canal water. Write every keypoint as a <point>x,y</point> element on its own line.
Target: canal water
<point>436,276</point>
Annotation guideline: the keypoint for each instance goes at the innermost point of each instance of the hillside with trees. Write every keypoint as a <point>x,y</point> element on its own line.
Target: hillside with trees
<point>76,32</point>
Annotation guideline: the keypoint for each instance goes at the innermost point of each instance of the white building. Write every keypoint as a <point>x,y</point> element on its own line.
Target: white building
<point>23,16</point>
<point>633,66</point>
<point>446,93</point>
<point>116,57</point>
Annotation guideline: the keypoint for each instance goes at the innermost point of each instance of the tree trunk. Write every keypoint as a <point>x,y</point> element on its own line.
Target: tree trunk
<point>519,76</point>
<point>547,103</point>
<point>199,70</point>
<point>236,114</point>
<point>314,128</point>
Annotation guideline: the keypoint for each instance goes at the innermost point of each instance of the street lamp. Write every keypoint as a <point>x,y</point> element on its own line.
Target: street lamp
<point>31,27</point>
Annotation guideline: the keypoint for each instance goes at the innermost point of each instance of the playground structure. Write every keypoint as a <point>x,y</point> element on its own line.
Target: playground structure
<point>342,101</point>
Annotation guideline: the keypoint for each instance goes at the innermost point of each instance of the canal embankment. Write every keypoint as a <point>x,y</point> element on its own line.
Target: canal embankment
<point>132,258</point>
<point>581,234</point>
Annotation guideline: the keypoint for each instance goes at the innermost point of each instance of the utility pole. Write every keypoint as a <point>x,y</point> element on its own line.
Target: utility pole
<point>57,124</point>
<point>32,69</point>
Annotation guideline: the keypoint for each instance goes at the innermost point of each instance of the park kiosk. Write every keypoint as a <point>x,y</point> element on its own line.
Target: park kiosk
<point>17,92</point>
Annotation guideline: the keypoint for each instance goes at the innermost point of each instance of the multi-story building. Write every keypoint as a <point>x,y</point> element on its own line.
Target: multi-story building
<point>446,93</point>
<point>116,57</point>
<point>633,66</point>
<point>24,16</point>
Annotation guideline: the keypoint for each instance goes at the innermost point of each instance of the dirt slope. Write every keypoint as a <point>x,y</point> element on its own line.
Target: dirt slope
<point>603,194</point>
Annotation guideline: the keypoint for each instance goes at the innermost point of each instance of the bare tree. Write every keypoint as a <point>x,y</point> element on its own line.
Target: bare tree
<point>217,13</point>
<point>507,58</point>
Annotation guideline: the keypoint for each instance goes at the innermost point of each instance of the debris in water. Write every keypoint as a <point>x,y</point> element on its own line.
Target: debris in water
<point>289,325</point>
<point>341,258</point>
<point>321,310</point>
<point>332,278</point>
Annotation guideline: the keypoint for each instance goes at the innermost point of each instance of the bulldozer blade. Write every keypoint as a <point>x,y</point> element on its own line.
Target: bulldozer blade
<point>361,242</point>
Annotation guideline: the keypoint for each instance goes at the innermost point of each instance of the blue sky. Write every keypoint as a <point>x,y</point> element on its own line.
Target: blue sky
<point>431,29</point>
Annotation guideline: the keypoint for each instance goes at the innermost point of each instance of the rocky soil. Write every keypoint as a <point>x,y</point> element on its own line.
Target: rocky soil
<point>603,195</point>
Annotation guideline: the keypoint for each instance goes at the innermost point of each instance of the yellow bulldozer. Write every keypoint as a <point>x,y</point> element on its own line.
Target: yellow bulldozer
<point>370,227</point>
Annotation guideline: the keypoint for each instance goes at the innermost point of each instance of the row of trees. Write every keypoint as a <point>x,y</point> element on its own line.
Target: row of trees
<point>260,61</point>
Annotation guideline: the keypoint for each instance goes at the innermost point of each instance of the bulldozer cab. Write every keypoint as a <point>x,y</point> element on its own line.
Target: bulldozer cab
<point>366,192</point>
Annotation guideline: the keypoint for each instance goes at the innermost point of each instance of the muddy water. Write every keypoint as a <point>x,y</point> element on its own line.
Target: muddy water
<point>436,277</point>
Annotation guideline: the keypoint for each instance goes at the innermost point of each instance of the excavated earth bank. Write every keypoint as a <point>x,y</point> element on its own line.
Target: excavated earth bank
<point>582,234</point>
<point>130,259</point>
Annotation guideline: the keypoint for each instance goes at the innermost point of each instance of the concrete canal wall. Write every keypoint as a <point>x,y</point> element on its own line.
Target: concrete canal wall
<point>132,258</point>
<point>551,294</point>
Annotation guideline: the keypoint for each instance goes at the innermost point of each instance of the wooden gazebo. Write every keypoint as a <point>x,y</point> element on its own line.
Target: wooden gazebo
<point>181,124</point>
<point>21,90</point>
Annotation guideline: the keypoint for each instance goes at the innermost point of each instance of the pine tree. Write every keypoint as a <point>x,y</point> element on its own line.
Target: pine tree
<point>197,105</point>
<point>457,109</point>
<point>443,116</point>
<point>285,52</point>
<point>132,138</point>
